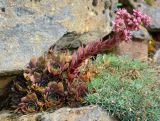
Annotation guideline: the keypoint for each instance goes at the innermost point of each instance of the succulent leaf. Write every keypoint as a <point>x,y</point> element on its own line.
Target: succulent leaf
<point>29,103</point>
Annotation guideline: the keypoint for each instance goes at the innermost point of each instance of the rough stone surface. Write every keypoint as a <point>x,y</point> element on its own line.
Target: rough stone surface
<point>154,13</point>
<point>89,113</point>
<point>73,40</point>
<point>29,27</point>
<point>141,35</point>
<point>157,57</point>
<point>134,49</point>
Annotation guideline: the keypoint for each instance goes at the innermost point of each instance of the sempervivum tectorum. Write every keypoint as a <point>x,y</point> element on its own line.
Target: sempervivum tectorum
<point>77,89</point>
<point>58,62</point>
<point>54,94</point>
<point>35,69</point>
<point>30,104</point>
<point>56,68</point>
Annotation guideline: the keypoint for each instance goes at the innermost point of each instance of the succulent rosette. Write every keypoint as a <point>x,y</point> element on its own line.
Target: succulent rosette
<point>30,103</point>
<point>54,68</point>
<point>54,94</point>
<point>77,89</point>
<point>58,64</point>
<point>34,77</point>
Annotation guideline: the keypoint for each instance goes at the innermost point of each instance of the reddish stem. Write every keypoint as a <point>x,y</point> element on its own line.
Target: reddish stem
<point>91,49</point>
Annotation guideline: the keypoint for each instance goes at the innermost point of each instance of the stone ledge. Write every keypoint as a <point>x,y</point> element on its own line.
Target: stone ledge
<point>88,113</point>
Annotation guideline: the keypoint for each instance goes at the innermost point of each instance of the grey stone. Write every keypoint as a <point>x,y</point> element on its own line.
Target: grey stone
<point>154,13</point>
<point>157,57</point>
<point>20,11</point>
<point>23,41</point>
<point>29,28</point>
<point>142,35</point>
<point>73,40</point>
<point>88,113</point>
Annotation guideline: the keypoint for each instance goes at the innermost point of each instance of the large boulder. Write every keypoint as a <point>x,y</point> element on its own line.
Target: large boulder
<point>29,27</point>
<point>133,49</point>
<point>89,113</point>
<point>141,35</point>
<point>154,13</point>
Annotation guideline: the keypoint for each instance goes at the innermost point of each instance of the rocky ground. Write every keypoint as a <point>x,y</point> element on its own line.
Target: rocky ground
<point>89,113</point>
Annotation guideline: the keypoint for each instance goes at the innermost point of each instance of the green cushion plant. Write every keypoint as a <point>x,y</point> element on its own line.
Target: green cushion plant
<point>127,89</point>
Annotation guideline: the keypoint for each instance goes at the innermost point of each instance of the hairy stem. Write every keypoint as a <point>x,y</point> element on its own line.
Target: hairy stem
<point>91,49</point>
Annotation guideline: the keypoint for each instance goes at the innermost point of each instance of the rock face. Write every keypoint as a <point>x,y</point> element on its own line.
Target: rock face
<point>138,48</point>
<point>157,57</point>
<point>141,35</point>
<point>154,13</point>
<point>89,113</point>
<point>133,49</point>
<point>73,40</point>
<point>29,27</point>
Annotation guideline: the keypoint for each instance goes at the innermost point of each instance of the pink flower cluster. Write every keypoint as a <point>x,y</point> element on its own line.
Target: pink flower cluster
<point>125,22</point>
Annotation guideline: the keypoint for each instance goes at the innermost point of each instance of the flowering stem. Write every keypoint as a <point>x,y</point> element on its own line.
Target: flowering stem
<point>124,23</point>
<point>91,49</point>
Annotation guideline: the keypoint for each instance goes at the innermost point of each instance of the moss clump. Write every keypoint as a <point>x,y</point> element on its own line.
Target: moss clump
<point>127,89</point>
